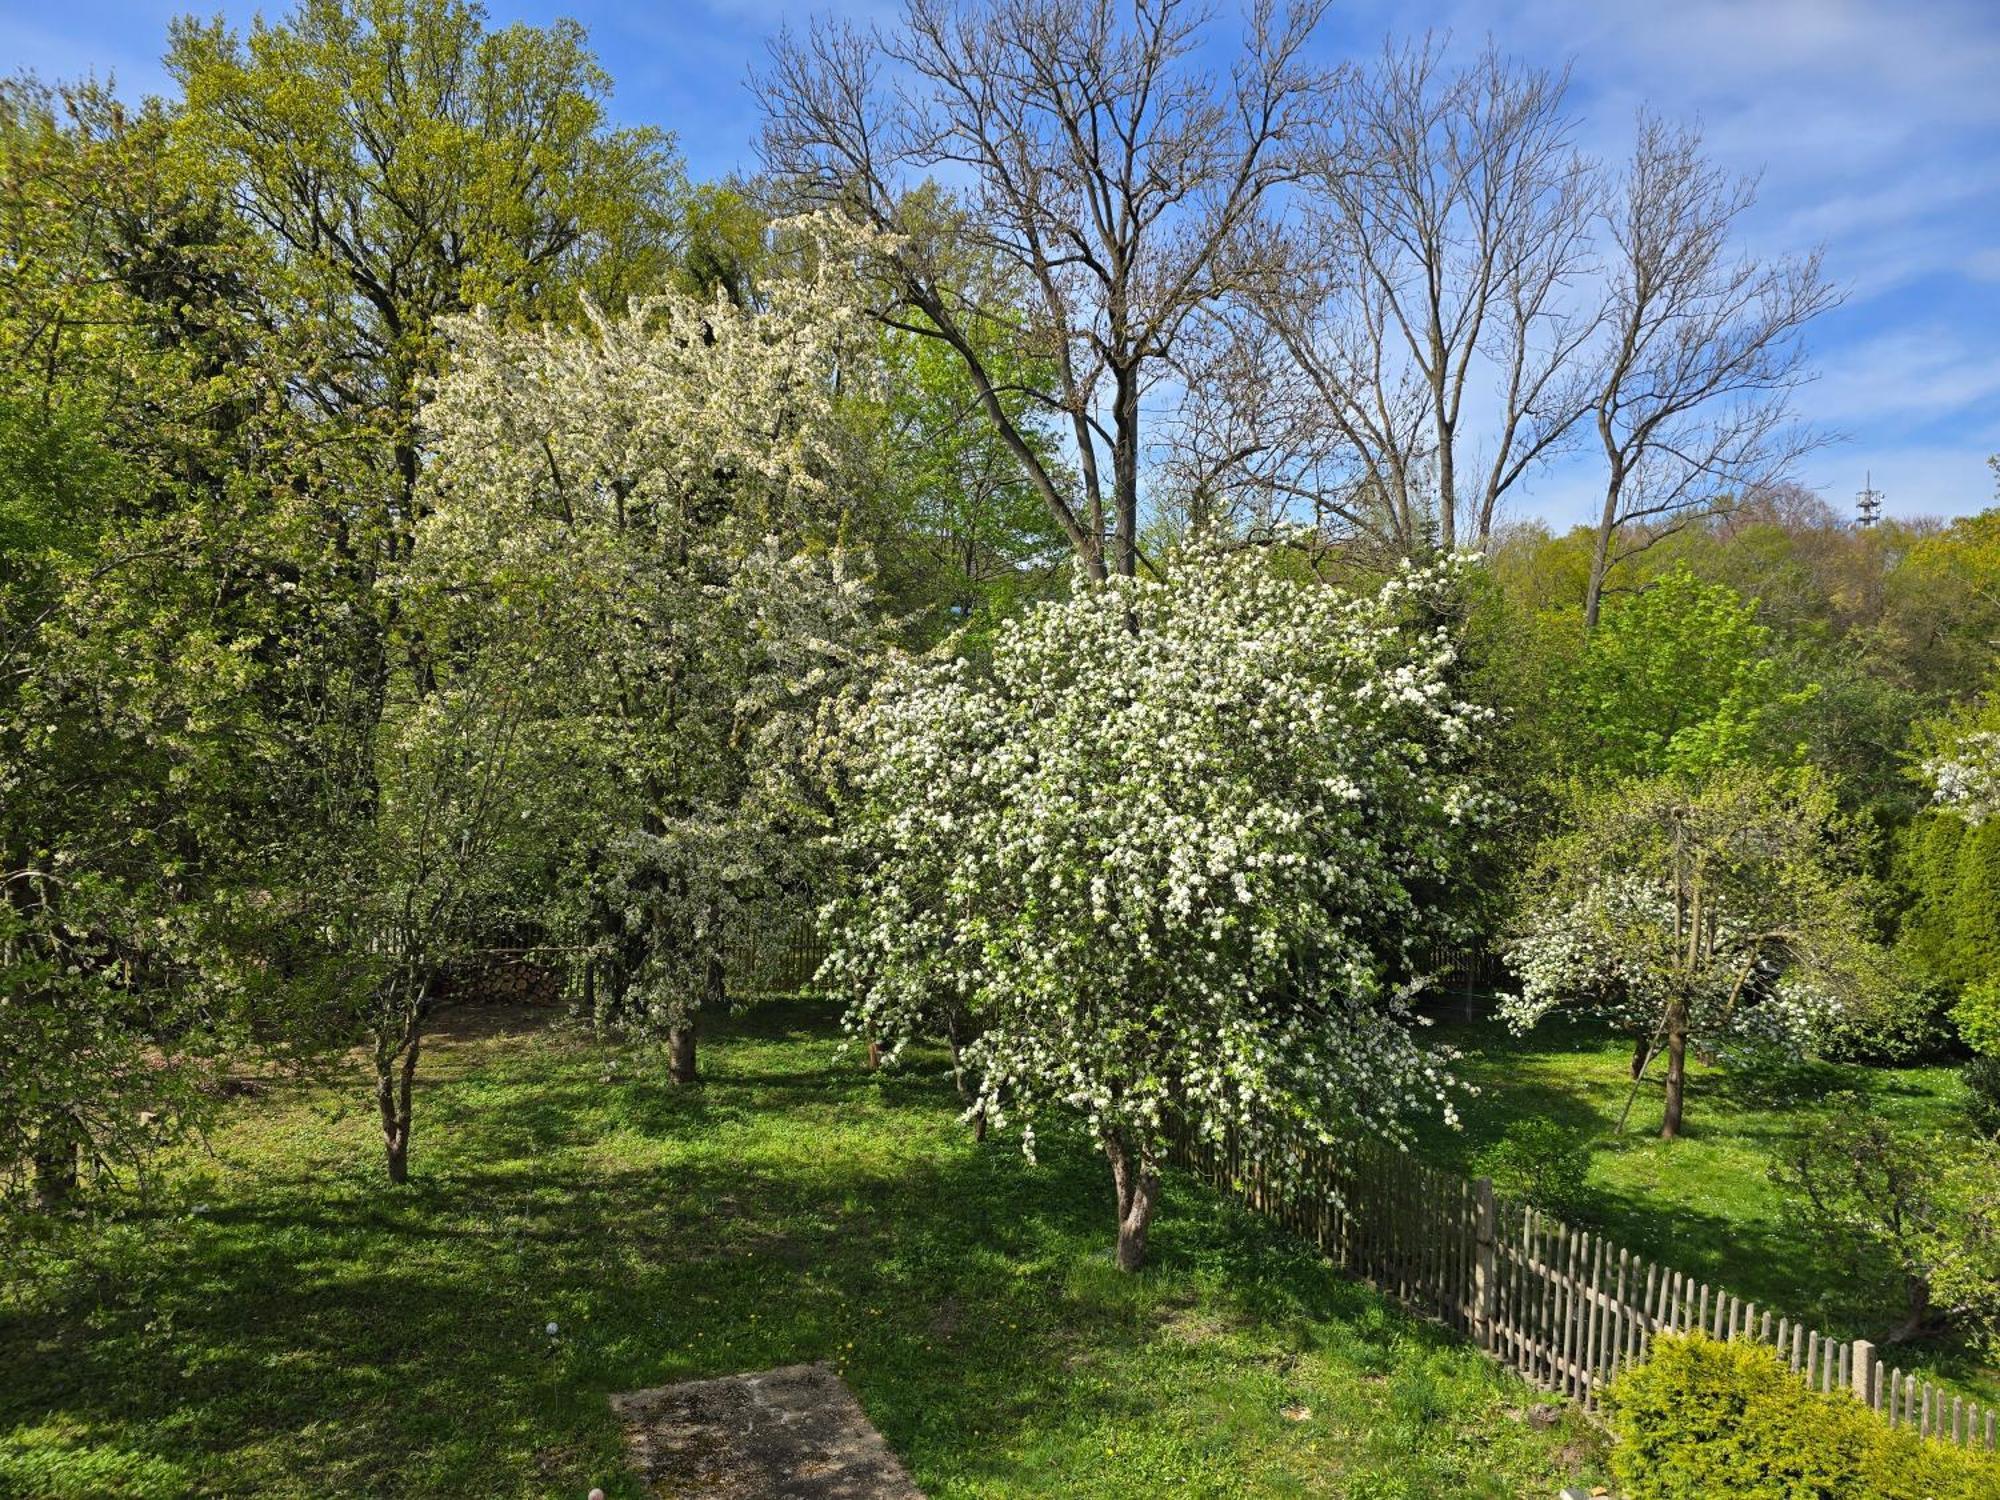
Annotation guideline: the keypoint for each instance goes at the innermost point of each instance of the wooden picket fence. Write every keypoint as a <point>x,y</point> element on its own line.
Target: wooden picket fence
<point>1565,1308</point>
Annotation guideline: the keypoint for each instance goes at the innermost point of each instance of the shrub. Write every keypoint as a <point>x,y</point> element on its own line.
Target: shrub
<point>1949,874</point>
<point>1907,1021</point>
<point>1540,1161</point>
<point>1700,1419</point>
<point>1977,1016</point>
<point>1982,1079</point>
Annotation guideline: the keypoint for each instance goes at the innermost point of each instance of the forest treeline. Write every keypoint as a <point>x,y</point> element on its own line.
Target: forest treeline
<point>436,532</point>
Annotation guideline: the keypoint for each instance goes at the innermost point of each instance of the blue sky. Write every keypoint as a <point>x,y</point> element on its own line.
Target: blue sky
<point>1875,126</point>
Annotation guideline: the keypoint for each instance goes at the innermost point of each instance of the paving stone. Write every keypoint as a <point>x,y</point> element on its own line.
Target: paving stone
<point>794,1433</point>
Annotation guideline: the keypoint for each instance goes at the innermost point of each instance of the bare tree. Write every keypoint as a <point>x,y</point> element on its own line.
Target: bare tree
<point>1254,443</point>
<point>1692,403</point>
<point>1430,276</point>
<point>1081,143</point>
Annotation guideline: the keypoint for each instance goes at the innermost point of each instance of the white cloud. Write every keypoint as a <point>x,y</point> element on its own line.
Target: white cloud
<point>1922,372</point>
<point>1873,126</point>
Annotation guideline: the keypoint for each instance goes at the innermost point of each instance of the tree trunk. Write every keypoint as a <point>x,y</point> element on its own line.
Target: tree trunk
<point>1125,474</point>
<point>55,1153</point>
<point>680,1052</point>
<point>1677,1043</point>
<point>874,1055</point>
<point>1135,1176</point>
<point>1642,1049</point>
<point>393,1080</point>
<point>1600,552</point>
<point>1447,466</point>
<point>1917,1320</point>
<point>396,1144</point>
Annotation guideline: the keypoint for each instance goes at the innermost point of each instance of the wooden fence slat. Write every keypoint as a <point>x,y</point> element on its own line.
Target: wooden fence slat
<point>1595,1342</point>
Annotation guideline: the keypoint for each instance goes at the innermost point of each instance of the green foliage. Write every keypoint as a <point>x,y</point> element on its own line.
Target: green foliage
<point>1928,1203</point>
<point>1544,1163</point>
<point>1679,678</point>
<point>1975,905</point>
<point>421,162</point>
<point>149,569</point>
<point>1981,1077</point>
<point>1700,1419</point>
<point>1853,729</point>
<point>1940,607</point>
<point>966,542</point>
<point>1725,910</point>
<point>405,162</point>
<point>1977,1016</point>
<point>1948,872</point>
<point>724,234</point>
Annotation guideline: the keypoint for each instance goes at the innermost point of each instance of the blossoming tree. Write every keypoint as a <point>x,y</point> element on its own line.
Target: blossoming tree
<point>1722,910</point>
<point>1967,776</point>
<point>1176,855</point>
<point>662,482</point>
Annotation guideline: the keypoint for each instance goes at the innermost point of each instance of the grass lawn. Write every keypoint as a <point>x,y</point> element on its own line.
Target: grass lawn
<point>275,1320</point>
<point>1705,1203</point>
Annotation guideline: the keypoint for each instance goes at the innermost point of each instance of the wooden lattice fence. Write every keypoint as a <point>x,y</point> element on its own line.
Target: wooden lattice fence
<point>1565,1308</point>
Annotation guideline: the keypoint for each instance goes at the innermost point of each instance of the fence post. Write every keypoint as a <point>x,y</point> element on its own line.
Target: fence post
<point>1864,1373</point>
<point>1485,1232</point>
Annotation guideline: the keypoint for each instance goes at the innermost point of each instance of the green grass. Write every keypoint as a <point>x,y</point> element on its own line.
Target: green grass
<point>275,1320</point>
<point>1704,1204</point>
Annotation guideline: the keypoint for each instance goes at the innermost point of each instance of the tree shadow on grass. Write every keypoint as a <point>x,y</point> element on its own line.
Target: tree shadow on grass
<point>315,1332</point>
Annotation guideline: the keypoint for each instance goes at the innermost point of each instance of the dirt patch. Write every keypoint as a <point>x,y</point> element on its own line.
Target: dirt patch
<point>482,1021</point>
<point>795,1433</point>
<point>1190,1325</point>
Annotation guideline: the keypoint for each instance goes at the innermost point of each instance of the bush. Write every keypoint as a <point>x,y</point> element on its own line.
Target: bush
<point>1982,1080</point>
<point>1977,1016</point>
<point>1910,1020</point>
<point>1701,1419</point>
<point>1541,1162</point>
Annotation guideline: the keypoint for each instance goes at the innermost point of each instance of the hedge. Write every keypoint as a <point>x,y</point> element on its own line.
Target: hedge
<point>1700,1420</point>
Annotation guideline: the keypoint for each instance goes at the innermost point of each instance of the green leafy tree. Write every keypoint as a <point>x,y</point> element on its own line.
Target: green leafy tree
<point>1940,611</point>
<point>407,163</point>
<point>401,162</point>
<point>1947,862</point>
<point>1928,1206</point>
<point>157,620</point>
<point>472,785</point>
<point>964,539</point>
<point>1678,678</point>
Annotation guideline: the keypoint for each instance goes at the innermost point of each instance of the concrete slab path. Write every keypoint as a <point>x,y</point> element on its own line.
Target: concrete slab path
<point>794,1433</point>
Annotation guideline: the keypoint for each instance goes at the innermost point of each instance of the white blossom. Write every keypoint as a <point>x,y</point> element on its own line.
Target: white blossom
<point>657,485</point>
<point>1967,780</point>
<point>1173,854</point>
